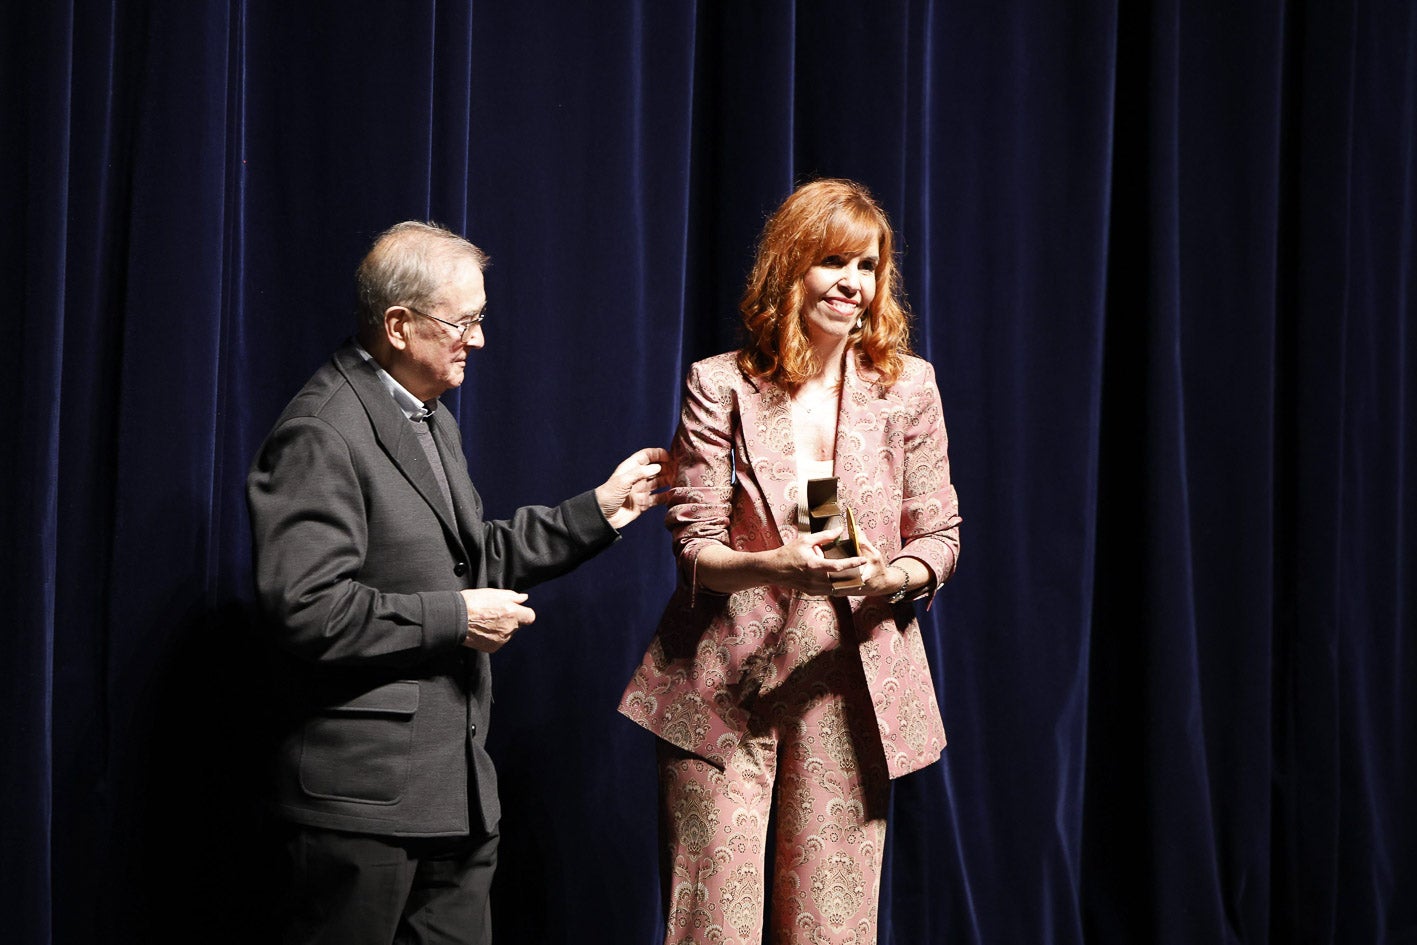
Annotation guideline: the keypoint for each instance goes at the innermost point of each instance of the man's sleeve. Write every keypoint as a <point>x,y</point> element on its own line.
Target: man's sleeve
<point>539,543</point>
<point>309,542</point>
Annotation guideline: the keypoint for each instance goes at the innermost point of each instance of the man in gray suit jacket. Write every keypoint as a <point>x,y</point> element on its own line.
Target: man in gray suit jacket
<point>383,581</point>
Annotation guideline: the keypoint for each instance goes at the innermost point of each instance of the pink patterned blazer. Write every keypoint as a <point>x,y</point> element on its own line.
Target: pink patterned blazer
<point>738,485</point>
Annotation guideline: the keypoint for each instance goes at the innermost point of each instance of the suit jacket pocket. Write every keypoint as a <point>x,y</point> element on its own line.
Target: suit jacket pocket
<point>361,749</point>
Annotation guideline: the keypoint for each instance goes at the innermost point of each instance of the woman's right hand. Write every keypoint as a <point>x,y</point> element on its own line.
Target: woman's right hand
<point>802,564</point>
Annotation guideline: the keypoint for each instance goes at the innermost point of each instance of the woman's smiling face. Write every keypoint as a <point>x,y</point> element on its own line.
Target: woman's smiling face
<point>839,290</point>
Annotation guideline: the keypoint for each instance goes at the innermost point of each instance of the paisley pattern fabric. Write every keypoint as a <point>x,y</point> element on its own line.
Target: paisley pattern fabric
<point>809,739</point>
<point>737,485</point>
<point>825,699</point>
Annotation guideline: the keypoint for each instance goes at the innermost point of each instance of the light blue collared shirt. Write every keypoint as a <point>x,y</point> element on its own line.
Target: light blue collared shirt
<point>412,407</point>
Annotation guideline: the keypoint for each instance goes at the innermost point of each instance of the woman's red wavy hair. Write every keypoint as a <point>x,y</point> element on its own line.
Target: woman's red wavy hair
<point>822,218</point>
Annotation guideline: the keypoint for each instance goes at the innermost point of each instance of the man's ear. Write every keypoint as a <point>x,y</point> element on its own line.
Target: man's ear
<point>397,325</point>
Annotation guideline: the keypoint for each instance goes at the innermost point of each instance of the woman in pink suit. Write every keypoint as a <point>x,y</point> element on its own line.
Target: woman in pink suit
<point>784,663</point>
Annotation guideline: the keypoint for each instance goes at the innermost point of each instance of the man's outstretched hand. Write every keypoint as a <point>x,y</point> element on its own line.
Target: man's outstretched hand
<point>635,485</point>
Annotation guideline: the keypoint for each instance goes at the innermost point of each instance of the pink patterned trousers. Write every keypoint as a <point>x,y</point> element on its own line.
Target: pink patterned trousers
<point>815,738</point>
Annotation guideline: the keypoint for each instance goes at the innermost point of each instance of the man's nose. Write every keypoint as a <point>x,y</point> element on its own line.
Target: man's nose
<point>475,338</point>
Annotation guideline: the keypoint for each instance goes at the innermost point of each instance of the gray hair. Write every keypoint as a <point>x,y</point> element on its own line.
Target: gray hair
<point>409,264</point>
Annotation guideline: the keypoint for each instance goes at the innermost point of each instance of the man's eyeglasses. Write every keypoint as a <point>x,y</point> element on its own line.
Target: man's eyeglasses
<point>463,328</point>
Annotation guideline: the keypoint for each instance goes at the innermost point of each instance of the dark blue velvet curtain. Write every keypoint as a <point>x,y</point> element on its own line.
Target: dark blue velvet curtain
<point>1161,255</point>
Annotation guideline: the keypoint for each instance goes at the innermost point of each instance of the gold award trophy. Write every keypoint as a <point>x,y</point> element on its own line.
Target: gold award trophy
<point>825,512</point>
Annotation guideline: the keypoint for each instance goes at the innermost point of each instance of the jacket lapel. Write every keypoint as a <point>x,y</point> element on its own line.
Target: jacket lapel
<point>858,429</point>
<point>394,433</point>
<point>769,450</point>
<point>467,505</point>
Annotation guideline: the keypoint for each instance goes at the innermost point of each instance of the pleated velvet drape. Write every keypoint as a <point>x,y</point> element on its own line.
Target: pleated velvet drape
<point>1160,253</point>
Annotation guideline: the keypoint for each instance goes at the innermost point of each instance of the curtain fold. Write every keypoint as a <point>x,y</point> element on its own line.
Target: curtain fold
<point>1160,255</point>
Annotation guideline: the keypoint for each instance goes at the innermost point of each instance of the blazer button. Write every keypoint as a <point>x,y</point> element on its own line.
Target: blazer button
<point>460,568</point>
<point>472,730</point>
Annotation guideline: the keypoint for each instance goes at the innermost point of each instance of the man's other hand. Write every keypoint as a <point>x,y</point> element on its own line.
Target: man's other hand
<point>493,615</point>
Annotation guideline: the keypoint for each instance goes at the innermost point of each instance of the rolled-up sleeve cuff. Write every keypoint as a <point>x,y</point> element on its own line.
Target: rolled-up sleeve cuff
<point>689,570</point>
<point>444,618</point>
<point>587,523</point>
